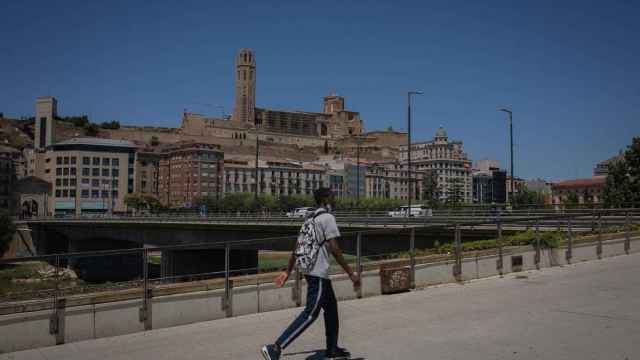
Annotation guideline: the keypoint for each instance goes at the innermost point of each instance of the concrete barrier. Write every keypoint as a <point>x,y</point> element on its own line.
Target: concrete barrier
<point>31,330</point>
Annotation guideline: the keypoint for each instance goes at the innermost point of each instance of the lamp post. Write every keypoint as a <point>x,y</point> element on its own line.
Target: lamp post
<point>511,151</point>
<point>410,180</point>
<point>255,197</point>
<point>358,142</point>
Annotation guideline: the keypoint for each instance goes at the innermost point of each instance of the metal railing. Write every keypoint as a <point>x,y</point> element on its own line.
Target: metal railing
<point>368,250</point>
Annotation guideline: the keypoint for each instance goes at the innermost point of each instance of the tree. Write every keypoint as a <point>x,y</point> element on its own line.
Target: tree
<point>133,201</point>
<point>632,159</point>
<point>571,201</point>
<point>430,190</point>
<point>110,125</point>
<point>617,187</point>
<point>526,197</point>
<point>138,202</point>
<point>455,193</point>
<point>7,229</point>
<point>92,130</point>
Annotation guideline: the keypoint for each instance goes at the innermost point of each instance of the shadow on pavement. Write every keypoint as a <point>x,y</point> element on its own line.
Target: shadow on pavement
<point>317,355</point>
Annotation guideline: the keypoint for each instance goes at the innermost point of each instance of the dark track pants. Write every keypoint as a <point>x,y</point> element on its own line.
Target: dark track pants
<point>320,295</point>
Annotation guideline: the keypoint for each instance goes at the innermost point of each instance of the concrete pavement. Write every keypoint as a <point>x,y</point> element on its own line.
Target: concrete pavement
<point>589,310</point>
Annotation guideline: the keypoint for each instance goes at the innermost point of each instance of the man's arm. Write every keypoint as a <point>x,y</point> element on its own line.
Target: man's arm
<point>337,254</point>
<point>284,276</point>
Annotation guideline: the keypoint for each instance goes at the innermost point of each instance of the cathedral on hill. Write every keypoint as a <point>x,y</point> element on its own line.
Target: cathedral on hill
<point>291,127</point>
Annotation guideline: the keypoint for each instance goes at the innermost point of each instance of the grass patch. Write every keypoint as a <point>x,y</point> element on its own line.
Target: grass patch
<point>31,274</point>
<point>155,259</point>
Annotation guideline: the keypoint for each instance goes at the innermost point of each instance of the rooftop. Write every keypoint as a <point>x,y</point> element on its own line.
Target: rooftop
<point>97,142</point>
<point>594,181</point>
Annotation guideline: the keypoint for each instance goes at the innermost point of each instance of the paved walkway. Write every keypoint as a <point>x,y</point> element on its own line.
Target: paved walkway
<point>583,311</point>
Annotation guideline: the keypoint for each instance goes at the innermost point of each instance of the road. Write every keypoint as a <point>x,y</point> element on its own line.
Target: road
<point>583,311</point>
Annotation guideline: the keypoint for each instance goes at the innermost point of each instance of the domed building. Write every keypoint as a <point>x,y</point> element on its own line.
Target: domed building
<point>447,161</point>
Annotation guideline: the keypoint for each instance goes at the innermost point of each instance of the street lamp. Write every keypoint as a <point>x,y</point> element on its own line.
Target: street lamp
<point>409,147</point>
<point>256,178</point>
<point>511,146</point>
<point>358,142</point>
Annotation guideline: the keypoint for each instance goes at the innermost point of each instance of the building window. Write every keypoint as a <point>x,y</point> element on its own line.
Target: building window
<point>95,194</point>
<point>59,160</point>
<point>114,193</point>
<point>72,193</point>
<point>85,194</point>
<point>105,194</point>
<point>59,171</point>
<point>95,172</point>
<point>85,181</point>
<point>96,161</point>
<point>105,161</point>
<point>65,193</point>
<point>72,182</point>
<point>73,160</point>
<point>66,160</point>
<point>58,193</point>
<point>65,182</point>
<point>95,183</point>
<point>86,160</point>
<point>115,172</point>
<point>58,182</point>
<point>115,162</point>
<point>86,171</point>
<point>114,183</point>
<point>105,172</point>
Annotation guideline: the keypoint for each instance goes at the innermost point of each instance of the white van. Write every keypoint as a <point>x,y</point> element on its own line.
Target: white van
<point>417,210</point>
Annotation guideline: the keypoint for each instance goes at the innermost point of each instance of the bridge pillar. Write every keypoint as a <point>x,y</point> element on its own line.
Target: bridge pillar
<point>196,264</point>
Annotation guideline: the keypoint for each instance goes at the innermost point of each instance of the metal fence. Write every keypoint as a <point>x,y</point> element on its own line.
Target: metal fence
<point>54,287</point>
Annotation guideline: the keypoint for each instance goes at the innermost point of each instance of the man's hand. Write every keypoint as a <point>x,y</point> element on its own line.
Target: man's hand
<point>355,279</point>
<point>282,279</point>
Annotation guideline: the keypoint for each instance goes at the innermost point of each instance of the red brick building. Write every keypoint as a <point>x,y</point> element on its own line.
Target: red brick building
<point>188,171</point>
<point>587,190</point>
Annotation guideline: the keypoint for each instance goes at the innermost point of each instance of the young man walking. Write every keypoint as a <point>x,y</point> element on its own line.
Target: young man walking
<point>311,256</point>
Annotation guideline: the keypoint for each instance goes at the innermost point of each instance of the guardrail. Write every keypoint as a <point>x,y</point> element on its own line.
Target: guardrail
<point>57,291</point>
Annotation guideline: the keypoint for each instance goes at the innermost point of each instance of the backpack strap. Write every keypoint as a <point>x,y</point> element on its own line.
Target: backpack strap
<point>318,213</point>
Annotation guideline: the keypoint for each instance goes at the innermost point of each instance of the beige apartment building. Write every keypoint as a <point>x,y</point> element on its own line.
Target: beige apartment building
<point>446,158</point>
<point>275,177</point>
<point>390,180</point>
<point>89,175</point>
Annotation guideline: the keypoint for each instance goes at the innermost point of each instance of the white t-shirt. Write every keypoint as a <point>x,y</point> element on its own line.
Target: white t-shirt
<point>327,229</point>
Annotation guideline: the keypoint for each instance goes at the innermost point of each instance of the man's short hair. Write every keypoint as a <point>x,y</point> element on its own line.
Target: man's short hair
<point>321,194</point>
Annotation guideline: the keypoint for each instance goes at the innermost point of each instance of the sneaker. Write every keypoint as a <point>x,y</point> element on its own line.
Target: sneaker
<point>337,353</point>
<point>269,352</point>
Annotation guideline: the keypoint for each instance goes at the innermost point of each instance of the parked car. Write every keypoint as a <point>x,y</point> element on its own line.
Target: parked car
<point>416,211</point>
<point>300,212</point>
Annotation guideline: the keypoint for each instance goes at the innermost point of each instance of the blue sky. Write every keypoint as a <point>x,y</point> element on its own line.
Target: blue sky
<point>568,69</point>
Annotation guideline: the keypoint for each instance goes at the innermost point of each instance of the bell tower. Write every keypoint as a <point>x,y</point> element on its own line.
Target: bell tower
<point>244,110</point>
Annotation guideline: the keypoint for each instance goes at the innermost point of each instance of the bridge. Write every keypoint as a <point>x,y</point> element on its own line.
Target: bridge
<point>193,244</point>
<point>582,311</point>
